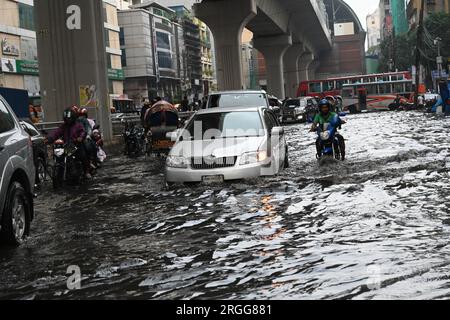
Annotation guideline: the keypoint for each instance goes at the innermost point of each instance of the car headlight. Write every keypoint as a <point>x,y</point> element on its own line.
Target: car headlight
<point>253,157</point>
<point>177,162</point>
<point>59,152</point>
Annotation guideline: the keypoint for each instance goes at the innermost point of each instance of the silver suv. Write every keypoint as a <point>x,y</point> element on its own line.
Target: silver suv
<point>17,175</point>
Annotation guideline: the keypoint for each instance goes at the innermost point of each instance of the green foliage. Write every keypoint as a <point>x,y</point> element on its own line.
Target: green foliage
<point>402,48</point>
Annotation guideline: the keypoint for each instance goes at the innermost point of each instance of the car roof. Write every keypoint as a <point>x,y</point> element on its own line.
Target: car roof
<point>230,109</point>
<point>239,91</point>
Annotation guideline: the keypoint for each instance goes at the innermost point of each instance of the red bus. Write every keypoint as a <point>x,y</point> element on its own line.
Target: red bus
<point>363,92</point>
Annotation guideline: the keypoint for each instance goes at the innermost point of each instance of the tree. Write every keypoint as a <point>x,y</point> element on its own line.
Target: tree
<point>401,49</point>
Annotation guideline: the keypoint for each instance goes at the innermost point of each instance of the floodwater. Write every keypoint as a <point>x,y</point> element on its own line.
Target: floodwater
<point>374,227</point>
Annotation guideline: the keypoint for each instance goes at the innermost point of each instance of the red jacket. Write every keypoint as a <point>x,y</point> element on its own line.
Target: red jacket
<point>70,133</point>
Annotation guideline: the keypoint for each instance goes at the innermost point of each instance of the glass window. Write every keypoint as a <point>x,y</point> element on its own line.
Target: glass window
<point>315,87</point>
<point>26,16</point>
<point>158,12</point>
<point>238,100</point>
<point>123,58</point>
<point>229,124</point>
<point>6,120</point>
<point>163,40</point>
<point>371,89</point>
<point>339,84</point>
<point>164,60</point>
<point>108,60</point>
<point>122,37</point>
<point>106,32</point>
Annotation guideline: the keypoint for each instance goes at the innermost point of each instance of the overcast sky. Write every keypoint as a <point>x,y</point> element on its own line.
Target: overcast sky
<point>363,8</point>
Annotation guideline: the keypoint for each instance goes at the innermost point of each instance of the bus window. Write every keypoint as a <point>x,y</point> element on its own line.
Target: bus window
<point>339,84</point>
<point>371,89</point>
<point>408,87</point>
<point>328,86</point>
<point>383,88</point>
<point>399,87</point>
<point>394,77</point>
<point>315,87</point>
<point>348,92</point>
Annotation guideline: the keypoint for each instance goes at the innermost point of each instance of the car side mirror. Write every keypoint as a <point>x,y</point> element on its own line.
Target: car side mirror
<point>277,131</point>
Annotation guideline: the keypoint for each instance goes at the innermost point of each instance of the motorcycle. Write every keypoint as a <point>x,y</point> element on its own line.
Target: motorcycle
<point>67,167</point>
<point>134,140</point>
<point>329,143</point>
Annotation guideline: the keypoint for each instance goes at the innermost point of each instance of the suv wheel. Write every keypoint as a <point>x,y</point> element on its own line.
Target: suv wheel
<point>16,215</point>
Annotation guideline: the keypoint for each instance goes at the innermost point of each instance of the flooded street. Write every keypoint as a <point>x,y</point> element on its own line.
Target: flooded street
<point>374,227</point>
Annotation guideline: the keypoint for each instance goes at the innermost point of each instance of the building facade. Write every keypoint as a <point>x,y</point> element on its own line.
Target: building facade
<point>399,18</point>
<point>374,29</point>
<point>151,49</point>
<point>18,53</point>
<point>431,6</point>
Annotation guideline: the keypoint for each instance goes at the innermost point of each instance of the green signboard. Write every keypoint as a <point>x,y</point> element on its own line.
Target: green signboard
<point>116,74</point>
<point>27,67</point>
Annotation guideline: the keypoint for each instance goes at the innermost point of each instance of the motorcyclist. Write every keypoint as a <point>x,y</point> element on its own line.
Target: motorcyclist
<point>88,143</point>
<point>72,132</point>
<point>325,116</point>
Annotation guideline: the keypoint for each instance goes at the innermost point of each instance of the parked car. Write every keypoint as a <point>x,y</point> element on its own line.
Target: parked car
<point>239,98</point>
<point>233,143</point>
<point>17,178</point>
<point>300,109</point>
<point>40,154</point>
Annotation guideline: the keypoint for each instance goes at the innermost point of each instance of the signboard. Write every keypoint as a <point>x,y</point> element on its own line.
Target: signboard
<point>9,65</point>
<point>116,74</point>
<point>435,74</point>
<point>9,49</point>
<point>27,67</point>
<point>88,96</point>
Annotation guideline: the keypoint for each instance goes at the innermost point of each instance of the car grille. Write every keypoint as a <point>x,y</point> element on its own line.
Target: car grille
<point>215,163</point>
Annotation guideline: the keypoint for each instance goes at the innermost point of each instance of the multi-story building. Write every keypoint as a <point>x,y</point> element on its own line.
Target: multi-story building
<point>192,54</point>
<point>399,20</point>
<point>18,53</point>
<point>113,51</point>
<point>373,29</point>
<point>385,19</point>
<point>431,6</point>
<point>151,52</point>
<point>206,56</point>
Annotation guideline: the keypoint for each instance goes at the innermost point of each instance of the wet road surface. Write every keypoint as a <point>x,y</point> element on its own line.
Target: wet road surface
<point>374,227</point>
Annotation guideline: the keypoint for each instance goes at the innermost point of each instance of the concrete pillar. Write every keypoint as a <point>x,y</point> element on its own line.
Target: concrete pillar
<point>291,77</point>
<point>273,48</point>
<point>312,69</point>
<point>303,66</point>
<point>72,54</point>
<point>227,19</point>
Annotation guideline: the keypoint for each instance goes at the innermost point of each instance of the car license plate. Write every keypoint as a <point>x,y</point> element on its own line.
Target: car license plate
<point>289,119</point>
<point>212,179</point>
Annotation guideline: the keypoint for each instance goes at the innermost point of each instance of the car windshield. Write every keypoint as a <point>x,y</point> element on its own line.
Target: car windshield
<point>225,125</point>
<point>238,100</point>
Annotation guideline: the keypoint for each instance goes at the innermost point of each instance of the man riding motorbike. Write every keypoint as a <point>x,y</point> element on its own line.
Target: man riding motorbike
<point>325,116</point>
<point>72,131</point>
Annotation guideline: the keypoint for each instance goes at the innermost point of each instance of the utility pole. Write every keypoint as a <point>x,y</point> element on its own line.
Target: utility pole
<point>439,60</point>
<point>419,41</point>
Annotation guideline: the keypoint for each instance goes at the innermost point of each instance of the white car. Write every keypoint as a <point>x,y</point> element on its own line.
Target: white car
<point>17,177</point>
<point>222,144</point>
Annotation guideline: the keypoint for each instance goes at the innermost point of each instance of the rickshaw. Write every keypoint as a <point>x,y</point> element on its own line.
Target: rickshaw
<point>159,120</point>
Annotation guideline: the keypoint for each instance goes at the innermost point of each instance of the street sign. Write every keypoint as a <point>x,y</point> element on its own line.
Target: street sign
<point>439,60</point>
<point>435,74</point>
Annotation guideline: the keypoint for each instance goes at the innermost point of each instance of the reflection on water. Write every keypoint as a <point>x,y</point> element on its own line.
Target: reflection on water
<point>374,227</point>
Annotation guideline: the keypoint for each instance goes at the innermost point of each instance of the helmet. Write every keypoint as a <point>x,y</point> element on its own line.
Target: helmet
<point>83,112</point>
<point>69,116</point>
<point>322,103</point>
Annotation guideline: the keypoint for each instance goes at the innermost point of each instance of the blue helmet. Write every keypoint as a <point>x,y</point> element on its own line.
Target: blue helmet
<point>324,102</point>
